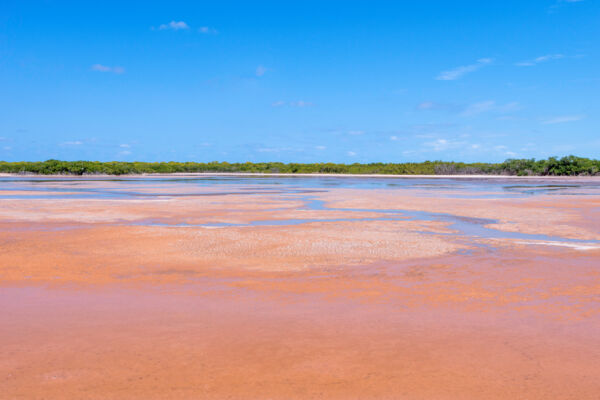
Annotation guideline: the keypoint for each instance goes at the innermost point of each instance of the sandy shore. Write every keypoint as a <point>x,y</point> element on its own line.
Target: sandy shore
<point>244,292</point>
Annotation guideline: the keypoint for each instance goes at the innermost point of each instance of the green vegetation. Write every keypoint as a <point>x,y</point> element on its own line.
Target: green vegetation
<point>570,165</point>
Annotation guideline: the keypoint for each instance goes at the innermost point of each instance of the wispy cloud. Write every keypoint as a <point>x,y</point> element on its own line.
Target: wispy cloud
<point>320,147</point>
<point>469,109</point>
<point>104,68</point>
<point>275,149</point>
<point>488,105</point>
<point>427,105</point>
<point>559,3</point>
<point>298,103</point>
<point>356,133</point>
<point>461,146</point>
<point>562,119</point>
<point>173,25</point>
<point>351,153</point>
<point>502,149</point>
<point>72,143</point>
<point>124,146</point>
<point>459,72</point>
<point>478,108</point>
<point>443,144</point>
<point>301,103</point>
<point>435,106</point>
<point>260,70</point>
<point>207,30</point>
<point>101,68</point>
<point>183,26</point>
<point>538,60</point>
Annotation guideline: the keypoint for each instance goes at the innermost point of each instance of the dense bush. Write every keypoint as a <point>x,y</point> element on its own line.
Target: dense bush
<point>570,165</point>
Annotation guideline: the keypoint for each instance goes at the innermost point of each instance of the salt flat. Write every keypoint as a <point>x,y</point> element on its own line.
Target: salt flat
<point>192,286</point>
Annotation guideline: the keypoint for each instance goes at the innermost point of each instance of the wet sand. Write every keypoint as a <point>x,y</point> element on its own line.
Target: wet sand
<point>270,290</point>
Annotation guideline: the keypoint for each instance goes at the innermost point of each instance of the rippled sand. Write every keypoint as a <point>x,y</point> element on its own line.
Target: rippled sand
<point>279,289</point>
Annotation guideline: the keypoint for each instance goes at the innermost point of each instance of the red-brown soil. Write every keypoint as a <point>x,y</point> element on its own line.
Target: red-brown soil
<point>100,300</point>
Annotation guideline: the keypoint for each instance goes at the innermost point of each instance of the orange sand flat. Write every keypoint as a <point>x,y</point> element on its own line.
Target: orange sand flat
<point>146,298</point>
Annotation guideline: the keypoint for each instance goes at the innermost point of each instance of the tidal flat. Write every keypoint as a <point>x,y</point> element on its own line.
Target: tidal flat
<point>282,287</point>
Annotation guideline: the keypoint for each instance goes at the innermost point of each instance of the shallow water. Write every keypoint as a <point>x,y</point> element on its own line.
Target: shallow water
<point>130,187</point>
<point>306,190</point>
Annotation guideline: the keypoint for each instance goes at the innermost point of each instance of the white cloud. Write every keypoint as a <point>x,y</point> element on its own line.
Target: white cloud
<point>478,108</point>
<point>563,118</point>
<point>124,153</point>
<point>260,70</point>
<point>541,59</point>
<point>459,72</point>
<point>174,25</point>
<point>207,30</point>
<point>438,145</point>
<point>72,143</point>
<point>488,105</point>
<point>301,103</point>
<point>445,144</point>
<point>426,105</point>
<point>356,133</point>
<point>548,57</point>
<point>103,68</point>
<point>504,151</point>
<point>351,153</point>
<point>7,148</point>
<point>459,147</point>
<point>276,149</point>
<point>435,106</point>
<point>267,150</point>
<point>124,145</point>
<point>558,3</point>
<point>394,137</point>
<point>320,147</point>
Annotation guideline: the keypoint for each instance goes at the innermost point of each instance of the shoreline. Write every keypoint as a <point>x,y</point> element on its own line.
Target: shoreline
<point>303,175</point>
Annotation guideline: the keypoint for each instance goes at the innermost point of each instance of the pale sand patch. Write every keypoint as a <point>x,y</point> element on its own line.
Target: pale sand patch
<point>533,215</point>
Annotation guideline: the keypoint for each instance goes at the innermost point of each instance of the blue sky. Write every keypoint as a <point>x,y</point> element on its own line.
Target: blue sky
<point>299,81</point>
